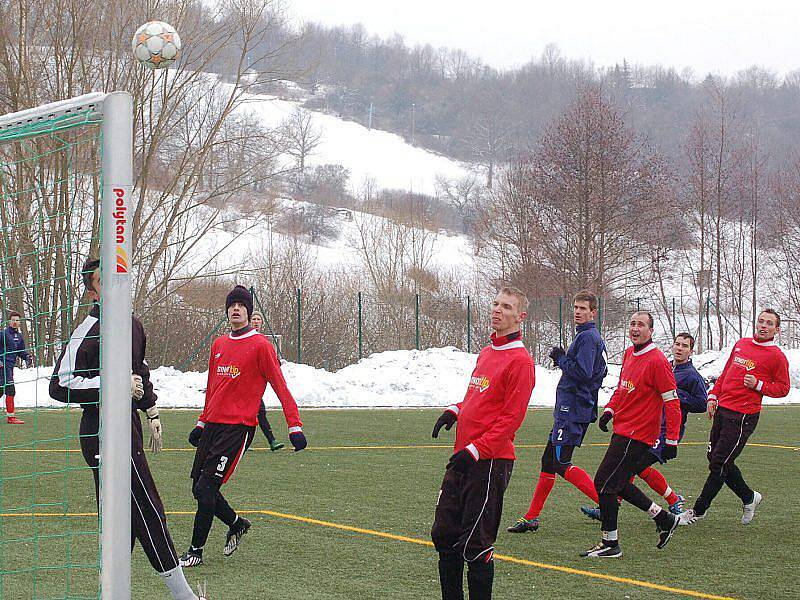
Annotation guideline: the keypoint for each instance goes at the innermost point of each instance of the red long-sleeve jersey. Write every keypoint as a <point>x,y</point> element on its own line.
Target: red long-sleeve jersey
<point>645,392</point>
<point>766,362</point>
<point>238,372</point>
<point>497,399</point>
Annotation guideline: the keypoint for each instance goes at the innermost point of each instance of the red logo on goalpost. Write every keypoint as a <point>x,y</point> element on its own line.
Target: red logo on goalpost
<point>121,221</point>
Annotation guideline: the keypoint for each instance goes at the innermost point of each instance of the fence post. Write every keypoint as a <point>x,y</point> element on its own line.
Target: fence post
<point>560,321</point>
<point>360,331</point>
<point>416,317</point>
<point>299,327</point>
<point>469,325</point>
<point>638,304</point>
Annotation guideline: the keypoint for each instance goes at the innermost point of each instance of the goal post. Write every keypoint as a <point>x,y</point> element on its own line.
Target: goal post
<point>113,114</point>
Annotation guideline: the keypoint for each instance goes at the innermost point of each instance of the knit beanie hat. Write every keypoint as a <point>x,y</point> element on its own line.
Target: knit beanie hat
<point>240,294</point>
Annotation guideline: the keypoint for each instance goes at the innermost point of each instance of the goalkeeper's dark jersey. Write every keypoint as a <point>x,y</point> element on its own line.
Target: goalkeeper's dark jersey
<point>76,377</point>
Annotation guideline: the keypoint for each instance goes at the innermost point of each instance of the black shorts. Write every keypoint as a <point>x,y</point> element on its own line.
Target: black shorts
<point>220,450</point>
<point>469,508</point>
<point>624,458</point>
<point>8,389</point>
<point>729,434</point>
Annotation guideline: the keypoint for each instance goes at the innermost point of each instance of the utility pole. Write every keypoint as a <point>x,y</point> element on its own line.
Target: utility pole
<point>369,125</point>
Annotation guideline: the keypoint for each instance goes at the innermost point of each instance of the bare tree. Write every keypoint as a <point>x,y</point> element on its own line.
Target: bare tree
<point>301,137</point>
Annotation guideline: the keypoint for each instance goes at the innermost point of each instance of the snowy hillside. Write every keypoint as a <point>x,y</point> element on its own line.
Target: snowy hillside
<point>384,157</point>
<point>400,379</point>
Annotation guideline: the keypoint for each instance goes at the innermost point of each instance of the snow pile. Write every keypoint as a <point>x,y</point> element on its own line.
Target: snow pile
<point>400,379</point>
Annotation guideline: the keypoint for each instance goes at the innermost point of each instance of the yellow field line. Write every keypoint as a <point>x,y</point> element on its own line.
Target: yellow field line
<point>392,447</point>
<point>419,542</point>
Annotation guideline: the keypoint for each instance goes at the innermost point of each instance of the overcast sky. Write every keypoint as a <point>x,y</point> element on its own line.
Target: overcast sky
<point>706,35</point>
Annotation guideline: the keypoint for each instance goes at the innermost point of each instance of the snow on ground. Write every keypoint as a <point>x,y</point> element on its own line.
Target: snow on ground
<point>399,379</point>
<point>384,157</point>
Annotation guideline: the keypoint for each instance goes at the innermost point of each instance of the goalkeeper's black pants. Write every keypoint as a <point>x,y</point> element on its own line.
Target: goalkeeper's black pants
<point>148,520</point>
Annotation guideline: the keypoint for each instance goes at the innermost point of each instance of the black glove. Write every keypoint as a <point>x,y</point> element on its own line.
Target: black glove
<point>603,422</point>
<point>447,420</point>
<point>195,435</point>
<point>461,461</point>
<point>298,440</point>
<point>556,353</point>
<point>669,452</point>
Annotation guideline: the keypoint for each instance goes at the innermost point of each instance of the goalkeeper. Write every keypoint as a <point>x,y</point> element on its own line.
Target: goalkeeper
<point>76,378</point>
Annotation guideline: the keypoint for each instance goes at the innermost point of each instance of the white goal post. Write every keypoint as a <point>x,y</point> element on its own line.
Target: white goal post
<point>115,110</point>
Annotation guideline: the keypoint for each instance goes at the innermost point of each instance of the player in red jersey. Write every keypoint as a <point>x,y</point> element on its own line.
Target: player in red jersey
<point>756,368</point>
<point>241,365</point>
<point>470,500</point>
<point>646,391</point>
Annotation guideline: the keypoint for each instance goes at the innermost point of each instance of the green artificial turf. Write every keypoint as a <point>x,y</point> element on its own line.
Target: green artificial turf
<point>375,471</point>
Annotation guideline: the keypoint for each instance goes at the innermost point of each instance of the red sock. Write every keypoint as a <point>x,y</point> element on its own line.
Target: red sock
<point>9,406</point>
<point>543,489</point>
<point>581,480</point>
<point>658,483</point>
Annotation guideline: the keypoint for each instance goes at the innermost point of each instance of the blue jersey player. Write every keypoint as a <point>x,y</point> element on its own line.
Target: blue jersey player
<point>583,367</point>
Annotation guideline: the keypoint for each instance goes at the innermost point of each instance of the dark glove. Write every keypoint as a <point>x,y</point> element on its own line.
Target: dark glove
<point>556,353</point>
<point>447,420</point>
<point>298,440</point>
<point>195,435</point>
<point>669,452</point>
<point>461,461</point>
<point>30,362</point>
<point>603,422</point>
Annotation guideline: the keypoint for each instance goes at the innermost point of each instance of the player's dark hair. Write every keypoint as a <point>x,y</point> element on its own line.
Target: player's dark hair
<point>774,313</point>
<point>89,267</point>
<point>14,313</point>
<point>649,317</point>
<point>687,336</point>
<point>586,296</point>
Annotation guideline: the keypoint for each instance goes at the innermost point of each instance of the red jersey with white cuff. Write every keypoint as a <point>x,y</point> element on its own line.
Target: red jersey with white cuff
<point>766,362</point>
<point>645,394</point>
<point>238,372</point>
<point>497,399</point>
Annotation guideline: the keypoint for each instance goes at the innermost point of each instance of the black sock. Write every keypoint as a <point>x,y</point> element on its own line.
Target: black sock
<point>735,481</point>
<point>609,509</point>
<point>223,510</point>
<point>480,577</point>
<point>711,488</point>
<point>664,519</point>
<point>202,526</point>
<point>193,550</point>
<point>451,576</point>
<point>630,493</point>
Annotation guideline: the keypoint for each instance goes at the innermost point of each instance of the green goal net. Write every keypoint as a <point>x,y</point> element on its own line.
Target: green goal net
<point>54,185</point>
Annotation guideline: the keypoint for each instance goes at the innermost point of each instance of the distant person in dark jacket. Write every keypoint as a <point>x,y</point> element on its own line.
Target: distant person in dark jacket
<point>583,367</point>
<point>257,322</point>
<point>12,348</point>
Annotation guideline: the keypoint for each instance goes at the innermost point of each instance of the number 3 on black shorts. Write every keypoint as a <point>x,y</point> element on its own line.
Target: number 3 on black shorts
<point>223,460</point>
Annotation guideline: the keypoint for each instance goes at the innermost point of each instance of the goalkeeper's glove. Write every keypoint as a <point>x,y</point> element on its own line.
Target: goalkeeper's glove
<point>137,387</point>
<point>156,437</point>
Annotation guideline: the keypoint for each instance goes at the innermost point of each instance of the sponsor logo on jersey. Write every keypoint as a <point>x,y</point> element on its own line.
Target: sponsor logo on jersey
<point>218,354</point>
<point>747,363</point>
<point>627,384</point>
<point>231,371</point>
<point>479,383</point>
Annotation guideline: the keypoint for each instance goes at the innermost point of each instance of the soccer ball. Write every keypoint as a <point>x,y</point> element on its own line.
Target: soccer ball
<point>156,44</point>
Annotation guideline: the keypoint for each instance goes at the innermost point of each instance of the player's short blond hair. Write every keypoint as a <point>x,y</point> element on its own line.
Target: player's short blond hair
<point>518,294</point>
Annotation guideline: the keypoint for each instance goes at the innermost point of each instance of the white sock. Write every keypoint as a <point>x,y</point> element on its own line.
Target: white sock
<point>611,536</point>
<point>654,510</point>
<point>177,584</point>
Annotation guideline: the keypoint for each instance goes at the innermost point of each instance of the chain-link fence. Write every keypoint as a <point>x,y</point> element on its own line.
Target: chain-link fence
<point>332,331</point>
